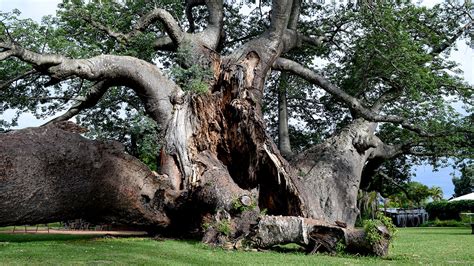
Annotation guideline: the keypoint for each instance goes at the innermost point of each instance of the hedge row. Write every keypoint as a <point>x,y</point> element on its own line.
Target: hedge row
<point>444,210</point>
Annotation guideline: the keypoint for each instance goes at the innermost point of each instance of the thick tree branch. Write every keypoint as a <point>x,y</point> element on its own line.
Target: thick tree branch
<point>164,43</point>
<point>295,14</point>
<point>385,151</point>
<point>171,26</point>
<point>216,13</point>
<point>352,102</point>
<point>316,41</point>
<point>280,16</point>
<point>70,177</point>
<point>190,4</point>
<point>211,36</point>
<point>119,69</point>
<point>5,54</point>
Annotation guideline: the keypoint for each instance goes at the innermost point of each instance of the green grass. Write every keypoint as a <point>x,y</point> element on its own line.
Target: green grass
<point>32,228</point>
<point>412,246</point>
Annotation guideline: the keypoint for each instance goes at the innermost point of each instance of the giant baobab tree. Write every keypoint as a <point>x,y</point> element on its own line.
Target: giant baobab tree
<point>388,77</point>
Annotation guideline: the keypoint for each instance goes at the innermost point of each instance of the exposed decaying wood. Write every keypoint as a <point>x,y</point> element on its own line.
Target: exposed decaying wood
<point>51,173</point>
<point>313,235</point>
<point>317,236</point>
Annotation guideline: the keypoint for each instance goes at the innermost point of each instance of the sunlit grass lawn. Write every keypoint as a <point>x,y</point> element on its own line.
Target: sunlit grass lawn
<point>412,246</point>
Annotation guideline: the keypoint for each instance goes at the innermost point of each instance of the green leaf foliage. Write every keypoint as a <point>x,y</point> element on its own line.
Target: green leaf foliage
<point>449,210</point>
<point>371,228</point>
<point>465,184</point>
<point>368,51</point>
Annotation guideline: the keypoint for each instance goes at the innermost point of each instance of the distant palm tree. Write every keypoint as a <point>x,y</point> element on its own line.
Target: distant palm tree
<point>436,193</point>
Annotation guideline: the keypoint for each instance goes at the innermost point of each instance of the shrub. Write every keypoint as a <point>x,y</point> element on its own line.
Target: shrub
<point>444,210</point>
<point>370,226</point>
<point>224,227</point>
<point>193,78</point>
<point>239,207</point>
<point>445,223</point>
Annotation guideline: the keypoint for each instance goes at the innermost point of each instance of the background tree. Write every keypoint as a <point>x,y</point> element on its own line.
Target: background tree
<point>414,194</point>
<point>465,184</point>
<point>436,193</point>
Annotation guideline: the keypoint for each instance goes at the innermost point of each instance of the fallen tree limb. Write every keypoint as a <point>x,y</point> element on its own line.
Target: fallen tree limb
<point>266,231</point>
<point>50,174</point>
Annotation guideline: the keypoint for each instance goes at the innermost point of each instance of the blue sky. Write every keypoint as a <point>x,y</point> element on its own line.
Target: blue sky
<point>35,9</point>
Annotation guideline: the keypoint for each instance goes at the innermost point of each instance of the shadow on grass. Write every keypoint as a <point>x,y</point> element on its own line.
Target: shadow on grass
<point>20,238</point>
<point>288,248</point>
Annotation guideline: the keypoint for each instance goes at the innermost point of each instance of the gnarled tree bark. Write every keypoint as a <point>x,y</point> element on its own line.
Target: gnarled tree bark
<point>215,149</point>
<point>51,174</point>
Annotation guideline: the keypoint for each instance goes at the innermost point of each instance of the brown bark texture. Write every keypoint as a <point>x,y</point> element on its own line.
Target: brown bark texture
<point>50,174</point>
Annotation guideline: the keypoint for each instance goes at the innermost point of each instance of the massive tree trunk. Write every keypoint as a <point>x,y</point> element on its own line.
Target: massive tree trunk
<point>51,174</point>
<point>216,153</point>
<point>331,173</point>
<point>48,174</point>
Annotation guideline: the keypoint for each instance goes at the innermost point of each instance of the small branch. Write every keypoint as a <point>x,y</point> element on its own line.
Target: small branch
<point>386,96</point>
<point>121,37</point>
<point>402,188</point>
<point>92,97</point>
<point>65,99</point>
<point>447,43</point>
<point>316,41</point>
<point>10,37</point>
<point>7,83</point>
<point>338,27</point>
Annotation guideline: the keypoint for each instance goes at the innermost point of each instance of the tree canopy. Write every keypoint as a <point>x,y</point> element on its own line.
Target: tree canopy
<point>389,50</point>
<point>465,183</point>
